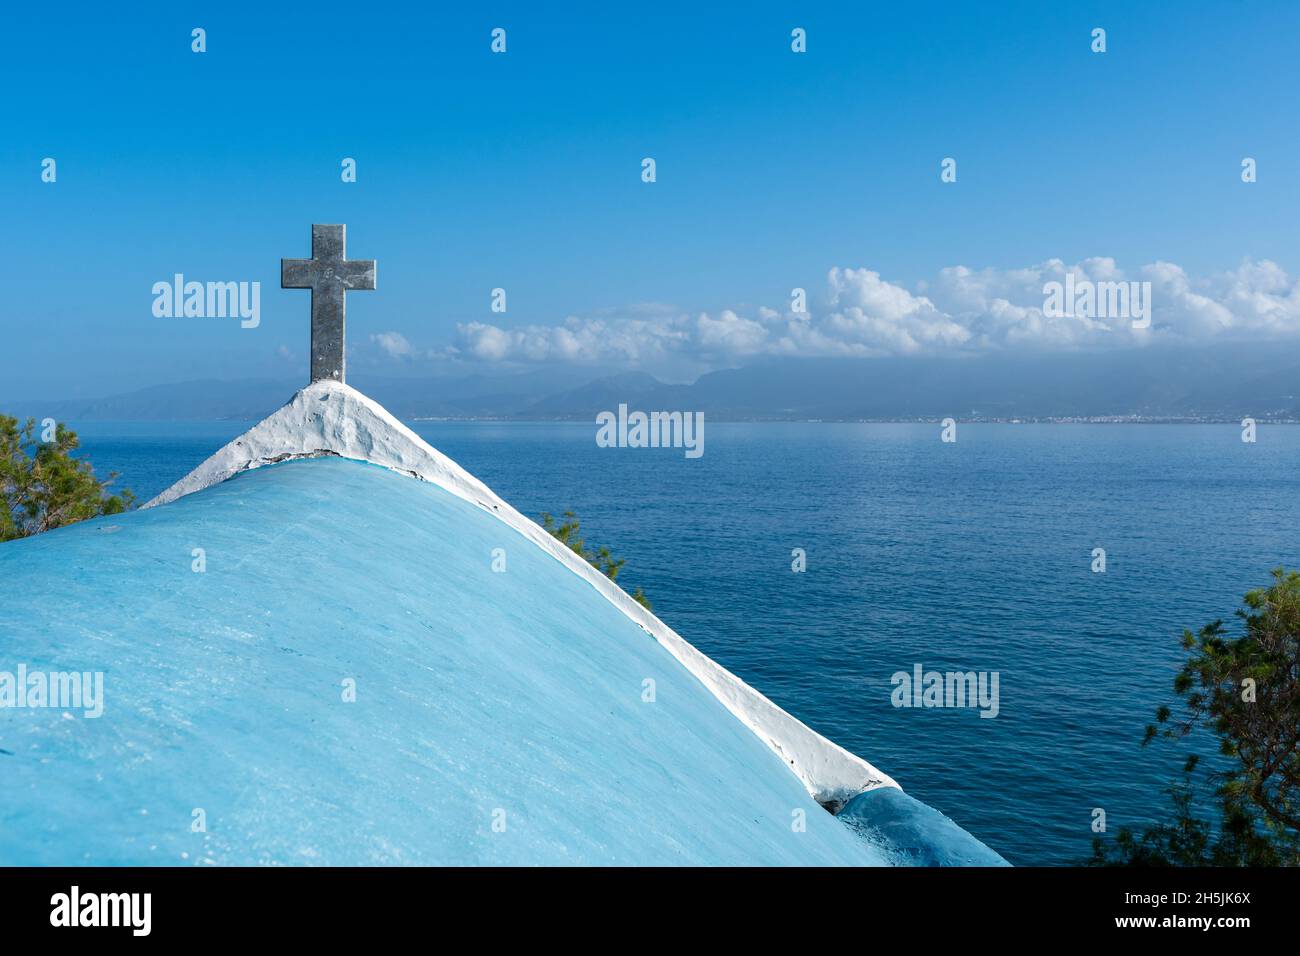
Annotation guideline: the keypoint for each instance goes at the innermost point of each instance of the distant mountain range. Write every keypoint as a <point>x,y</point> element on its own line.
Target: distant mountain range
<point>1225,383</point>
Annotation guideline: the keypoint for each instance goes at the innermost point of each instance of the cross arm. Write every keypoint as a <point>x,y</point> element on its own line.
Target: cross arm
<point>295,273</point>
<point>356,273</point>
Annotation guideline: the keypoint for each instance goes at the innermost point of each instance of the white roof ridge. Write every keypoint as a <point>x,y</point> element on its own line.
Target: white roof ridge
<point>331,418</point>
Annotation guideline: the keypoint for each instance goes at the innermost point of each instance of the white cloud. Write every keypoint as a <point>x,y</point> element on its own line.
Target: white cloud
<point>394,344</point>
<point>960,310</point>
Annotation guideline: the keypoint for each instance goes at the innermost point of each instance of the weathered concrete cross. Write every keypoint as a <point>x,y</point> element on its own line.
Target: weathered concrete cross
<point>329,275</point>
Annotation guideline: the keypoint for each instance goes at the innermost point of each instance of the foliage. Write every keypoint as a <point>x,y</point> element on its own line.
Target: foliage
<point>568,534</point>
<point>44,487</point>
<point>1245,691</point>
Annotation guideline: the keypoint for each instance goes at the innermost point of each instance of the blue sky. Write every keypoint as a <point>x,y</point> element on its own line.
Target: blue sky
<point>522,171</point>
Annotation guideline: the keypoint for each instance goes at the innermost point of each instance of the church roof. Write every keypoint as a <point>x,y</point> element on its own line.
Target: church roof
<point>534,714</point>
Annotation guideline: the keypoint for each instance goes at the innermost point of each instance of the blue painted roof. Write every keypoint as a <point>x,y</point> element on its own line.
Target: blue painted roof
<point>499,717</point>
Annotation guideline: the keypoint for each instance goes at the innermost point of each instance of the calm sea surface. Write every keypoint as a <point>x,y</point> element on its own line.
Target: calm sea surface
<point>972,556</point>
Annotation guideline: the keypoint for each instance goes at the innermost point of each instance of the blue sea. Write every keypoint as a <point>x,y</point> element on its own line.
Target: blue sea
<point>975,555</point>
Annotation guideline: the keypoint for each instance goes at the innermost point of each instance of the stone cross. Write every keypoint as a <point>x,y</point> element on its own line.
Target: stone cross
<point>329,275</point>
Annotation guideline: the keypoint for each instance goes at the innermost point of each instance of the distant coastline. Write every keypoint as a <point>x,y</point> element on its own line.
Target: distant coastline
<point>930,420</point>
<point>1137,386</point>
